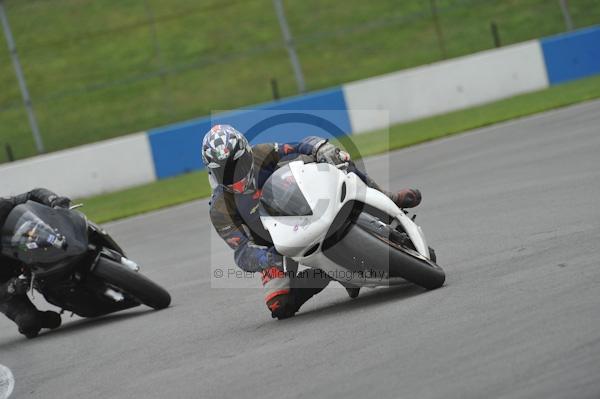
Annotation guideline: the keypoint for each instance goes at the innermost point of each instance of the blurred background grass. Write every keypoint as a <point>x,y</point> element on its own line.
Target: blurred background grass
<point>102,68</point>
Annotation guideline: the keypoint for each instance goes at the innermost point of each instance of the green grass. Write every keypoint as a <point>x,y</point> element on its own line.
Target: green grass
<point>97,69</point>
<point>195,185</point>
<point>147,197</point>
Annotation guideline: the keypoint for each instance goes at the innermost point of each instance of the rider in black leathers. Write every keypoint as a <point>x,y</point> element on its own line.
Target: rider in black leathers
<point>14,302</point>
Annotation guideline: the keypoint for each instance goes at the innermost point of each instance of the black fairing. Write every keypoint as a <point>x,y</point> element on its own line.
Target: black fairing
<point>85,299</point>
<point>44,238</point>
<point>101,238</point>
<point>60,246</point>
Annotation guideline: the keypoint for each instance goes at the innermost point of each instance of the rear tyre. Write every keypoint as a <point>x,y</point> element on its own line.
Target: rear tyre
<point>132,283</point>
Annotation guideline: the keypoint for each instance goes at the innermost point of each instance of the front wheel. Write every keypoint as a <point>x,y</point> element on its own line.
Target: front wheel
<point>367,242</point>
<point>132,283</point>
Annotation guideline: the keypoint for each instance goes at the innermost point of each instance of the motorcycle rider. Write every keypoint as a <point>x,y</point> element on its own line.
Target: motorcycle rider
<point>237,172</point>
<point>14,302</point>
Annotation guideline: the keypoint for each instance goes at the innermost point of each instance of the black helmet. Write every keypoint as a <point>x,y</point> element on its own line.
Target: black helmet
<point>228,156</point>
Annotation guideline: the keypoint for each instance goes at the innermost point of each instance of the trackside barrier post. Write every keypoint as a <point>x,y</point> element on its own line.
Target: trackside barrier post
<point>289,45</point>
<point>9,153</point>
<point>12,48</point>
<point>275,89</point>
<point>438,28</point>
<point>495,34</point>
<point>564,7</point>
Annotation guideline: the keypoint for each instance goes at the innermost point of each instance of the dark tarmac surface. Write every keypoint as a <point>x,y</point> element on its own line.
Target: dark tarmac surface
<point>513,211</point>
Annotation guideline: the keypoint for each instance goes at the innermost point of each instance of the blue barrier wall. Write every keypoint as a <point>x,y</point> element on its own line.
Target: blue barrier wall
<point>176,148</point>
<point>572,55</point>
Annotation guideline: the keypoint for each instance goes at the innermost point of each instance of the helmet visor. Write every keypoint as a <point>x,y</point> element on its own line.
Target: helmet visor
<point>234,170</point>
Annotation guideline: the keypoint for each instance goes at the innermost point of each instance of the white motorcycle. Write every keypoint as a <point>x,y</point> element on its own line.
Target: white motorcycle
<point>324,217</point>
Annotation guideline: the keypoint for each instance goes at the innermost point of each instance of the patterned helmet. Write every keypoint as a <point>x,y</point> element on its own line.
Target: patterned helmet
<point>228,157</point>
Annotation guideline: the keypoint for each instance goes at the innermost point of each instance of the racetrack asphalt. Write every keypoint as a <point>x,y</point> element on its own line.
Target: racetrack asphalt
<point>513,212</point>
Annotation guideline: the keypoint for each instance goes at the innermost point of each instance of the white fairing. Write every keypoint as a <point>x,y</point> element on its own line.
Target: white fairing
<point>322,186</point>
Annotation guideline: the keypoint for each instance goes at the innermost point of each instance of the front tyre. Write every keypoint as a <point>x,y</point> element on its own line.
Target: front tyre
<point>369,242</point>
<point>132,283</point>
<point>432,255</point>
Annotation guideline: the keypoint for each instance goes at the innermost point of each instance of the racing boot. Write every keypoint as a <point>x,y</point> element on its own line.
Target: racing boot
<point>278,298</point>
<point>30,323</point>
<point>405,198</point>
<point>20,310</point>
<point>17,307</point>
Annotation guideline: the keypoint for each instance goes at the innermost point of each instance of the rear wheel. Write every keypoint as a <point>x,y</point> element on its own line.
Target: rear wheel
<point>132,283</point>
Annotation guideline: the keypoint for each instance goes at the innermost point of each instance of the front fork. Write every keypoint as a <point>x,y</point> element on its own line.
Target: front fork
<point>116,296</point>
<point>117,257</point>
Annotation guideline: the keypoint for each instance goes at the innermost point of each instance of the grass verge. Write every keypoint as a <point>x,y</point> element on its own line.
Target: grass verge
<point>98,69</point>
<point>146,198</point>
<point>193,186</point>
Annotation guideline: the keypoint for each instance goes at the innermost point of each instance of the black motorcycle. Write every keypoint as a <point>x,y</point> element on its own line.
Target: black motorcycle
<point>74,263</point>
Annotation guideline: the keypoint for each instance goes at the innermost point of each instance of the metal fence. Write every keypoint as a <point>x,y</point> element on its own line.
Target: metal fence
<point>101,68</point>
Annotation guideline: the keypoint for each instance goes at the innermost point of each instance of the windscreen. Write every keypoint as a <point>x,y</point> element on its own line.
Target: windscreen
<point>281,195</point>
<point>30,235</point>
<point>36,234</point>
